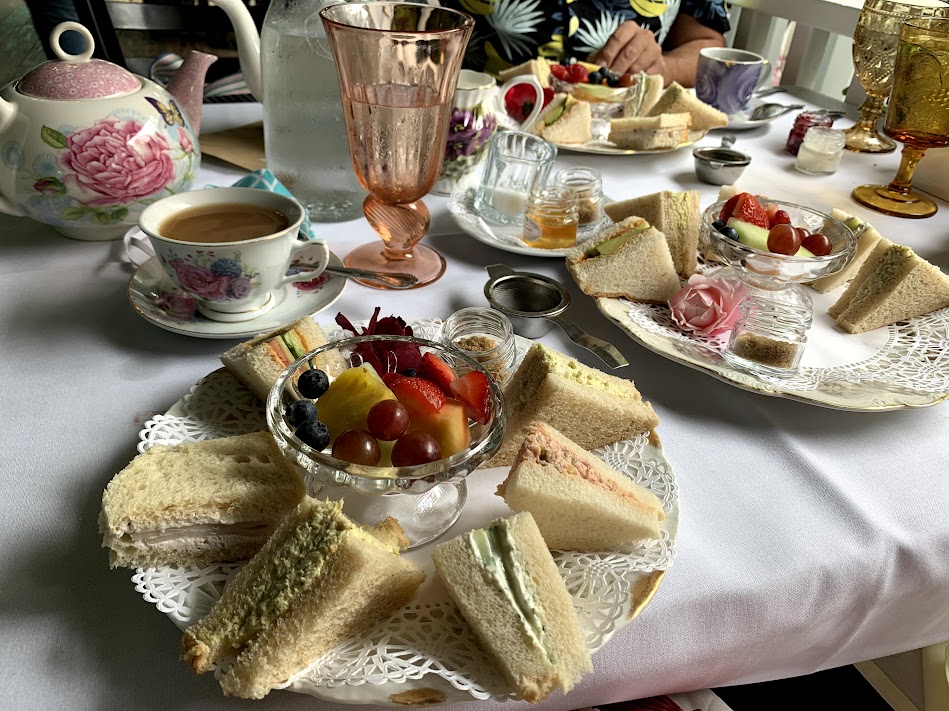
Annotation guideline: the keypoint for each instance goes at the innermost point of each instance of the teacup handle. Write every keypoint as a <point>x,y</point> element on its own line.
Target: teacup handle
<point>764,73</point>
<point>309,274</point>
<point>538,104</point>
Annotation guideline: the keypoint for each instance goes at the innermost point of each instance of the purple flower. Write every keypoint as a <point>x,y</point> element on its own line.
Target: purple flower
<point>227,267</point>
<point>240,287</point>
<point>468,134</point>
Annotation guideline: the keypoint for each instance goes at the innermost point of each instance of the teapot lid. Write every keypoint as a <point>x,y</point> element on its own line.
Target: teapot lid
<point>77,76</point>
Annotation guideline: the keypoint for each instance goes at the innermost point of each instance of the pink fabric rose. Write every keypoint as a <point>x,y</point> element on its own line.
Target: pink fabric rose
<point>116,161</point>
<point>707,307</point>
<point>202,282</point>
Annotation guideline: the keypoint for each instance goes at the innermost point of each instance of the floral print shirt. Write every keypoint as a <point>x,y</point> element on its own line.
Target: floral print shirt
<point>509,32</point>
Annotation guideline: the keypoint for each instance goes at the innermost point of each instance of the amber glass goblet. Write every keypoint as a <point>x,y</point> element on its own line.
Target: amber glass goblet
<point>398,64</point>
<point>874,54</point>
<point>917,116</point>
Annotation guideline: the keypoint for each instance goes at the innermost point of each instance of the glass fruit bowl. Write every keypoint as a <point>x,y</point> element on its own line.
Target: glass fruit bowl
<point>770,336</point>
<point>425,498</point>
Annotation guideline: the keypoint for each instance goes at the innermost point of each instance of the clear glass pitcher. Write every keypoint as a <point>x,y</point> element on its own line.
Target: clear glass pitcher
<point>304,132</point>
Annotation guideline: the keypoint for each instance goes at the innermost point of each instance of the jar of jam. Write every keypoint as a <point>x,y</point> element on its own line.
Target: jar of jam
<point>804,121</point>
<point>552,218</point>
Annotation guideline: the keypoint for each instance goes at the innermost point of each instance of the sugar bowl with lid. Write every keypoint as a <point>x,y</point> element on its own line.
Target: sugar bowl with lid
<point>86,145</point>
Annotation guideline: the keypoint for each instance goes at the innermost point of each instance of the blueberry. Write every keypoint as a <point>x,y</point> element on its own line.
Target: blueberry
<point>612,81</point>
<point>409,372</point>
<point>300,411</point>
<point>718,225</point>
<point>729,232</point>
<point>313,383</point>
<point>313,433</point>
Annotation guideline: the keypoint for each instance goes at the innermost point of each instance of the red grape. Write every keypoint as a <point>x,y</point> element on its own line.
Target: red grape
<point>415,448</point>
<point>802,232</point>
<point>388,420</point>
<point>358,447</point>
<point>783,239</point>
<point>817,244</point>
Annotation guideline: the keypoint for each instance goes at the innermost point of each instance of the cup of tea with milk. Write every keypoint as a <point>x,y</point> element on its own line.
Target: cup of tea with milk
<point>230,248</point>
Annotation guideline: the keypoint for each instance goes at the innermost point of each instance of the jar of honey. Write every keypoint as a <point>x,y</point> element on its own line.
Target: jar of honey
<point>552,218</point>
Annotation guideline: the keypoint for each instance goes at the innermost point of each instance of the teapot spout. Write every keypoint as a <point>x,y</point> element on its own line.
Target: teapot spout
<point>248,42</point>
<point>187,86</point>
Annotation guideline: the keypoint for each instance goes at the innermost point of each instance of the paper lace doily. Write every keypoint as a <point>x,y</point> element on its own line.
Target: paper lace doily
<point>909,369</point>
<point>427,644</point>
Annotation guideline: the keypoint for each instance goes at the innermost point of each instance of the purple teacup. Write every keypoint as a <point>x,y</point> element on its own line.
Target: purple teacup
<point>726,78</point>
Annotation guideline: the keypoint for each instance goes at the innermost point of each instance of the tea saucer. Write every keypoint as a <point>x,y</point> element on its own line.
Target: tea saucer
<point>156,299</point>
<point>506,237</point>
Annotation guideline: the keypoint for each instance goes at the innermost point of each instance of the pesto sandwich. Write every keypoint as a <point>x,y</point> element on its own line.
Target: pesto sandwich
<point>318,581</point>
<point>257,363</point>
<point>509,590</point>
<point>199,503</point>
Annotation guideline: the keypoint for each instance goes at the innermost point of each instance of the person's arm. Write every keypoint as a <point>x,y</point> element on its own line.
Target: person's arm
<point>686,37</point>
<point>632,49</point>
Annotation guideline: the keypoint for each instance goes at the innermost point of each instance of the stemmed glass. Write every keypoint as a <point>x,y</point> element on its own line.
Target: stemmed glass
<point>398,64</point>
<point>917,116</point>
<point>874,53</point>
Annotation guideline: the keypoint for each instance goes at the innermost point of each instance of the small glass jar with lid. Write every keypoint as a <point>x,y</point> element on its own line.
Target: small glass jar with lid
<point>802,123</point>
<point>486,336</point>
<point>821,151</point>
<point>551,218</point>
<point>588,185</point>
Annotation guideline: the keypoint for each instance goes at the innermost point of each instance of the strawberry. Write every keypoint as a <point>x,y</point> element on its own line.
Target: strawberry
<point>577,74</point>
<point>777,216</point>
<point>389,377</point>
<point>473,390</point>
<point>729,207</point>
<point>750,210</point>
<point>438,371</point>
<point>558,71</point>
<point>420,396</point>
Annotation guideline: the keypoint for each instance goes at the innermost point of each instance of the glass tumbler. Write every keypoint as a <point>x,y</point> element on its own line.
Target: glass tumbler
<point>516,163</point>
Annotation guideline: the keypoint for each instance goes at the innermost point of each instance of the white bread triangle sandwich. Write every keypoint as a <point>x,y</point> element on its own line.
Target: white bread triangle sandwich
<point>631,260</point>
<point>199,503</point>
<point>564,121</point>
<point>675,214</point>
<point>539,68</point>
<point>509,590</point>
<point>650,133</point>
<point>676,99</point>
<point>578,502</point>
<point>257,363</point>
<point>643,94</point>
<point>590,407</point>
<point>866,242</point>
<point>317,582</point>
<point>867,268</point>
<point>893,285</point>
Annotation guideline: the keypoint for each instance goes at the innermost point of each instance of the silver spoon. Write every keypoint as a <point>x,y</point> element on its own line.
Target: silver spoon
<point>763,112</point>
<point>394,280</point>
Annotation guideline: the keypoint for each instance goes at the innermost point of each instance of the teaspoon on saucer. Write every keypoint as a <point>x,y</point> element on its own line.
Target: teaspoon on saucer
<point>764,112</point>
<point>394,280</point>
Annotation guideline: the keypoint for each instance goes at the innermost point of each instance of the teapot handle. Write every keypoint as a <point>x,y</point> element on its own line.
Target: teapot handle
<point>538,104</point>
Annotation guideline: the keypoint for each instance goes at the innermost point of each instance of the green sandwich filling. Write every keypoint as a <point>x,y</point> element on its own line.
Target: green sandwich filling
<point>612,245</point>
<point>495,552</point>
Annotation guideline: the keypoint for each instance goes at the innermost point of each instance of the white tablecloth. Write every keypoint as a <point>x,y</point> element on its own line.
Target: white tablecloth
<point>810,538</point>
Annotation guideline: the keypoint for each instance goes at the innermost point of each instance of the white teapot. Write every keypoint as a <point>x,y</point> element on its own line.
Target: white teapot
<point>86,145</point>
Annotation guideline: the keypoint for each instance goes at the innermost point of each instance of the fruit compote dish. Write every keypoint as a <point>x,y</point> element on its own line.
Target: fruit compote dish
<point>773,247</point>
<point>395,434</point>
<point>604,89</point>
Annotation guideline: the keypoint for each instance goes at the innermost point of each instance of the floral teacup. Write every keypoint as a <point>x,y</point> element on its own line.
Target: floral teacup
<point>232,281</point>
<point>474,119</point>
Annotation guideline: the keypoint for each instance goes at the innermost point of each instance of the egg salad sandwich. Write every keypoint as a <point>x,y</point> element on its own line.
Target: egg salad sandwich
<point>509,590</point>
<point>631,260</point>
<point>867,239</point>
<point>675,214</point>
<point>642,95</point>
<point>650,133</point>
<point>589,406</point>
<point>677,99</point>
<point>258,363</point>
<point>318,581</point>
<point>894,284</point>
<point>578,502</point>
<point>565,120</point>
<point>199,503</point>
<point>539,68</point>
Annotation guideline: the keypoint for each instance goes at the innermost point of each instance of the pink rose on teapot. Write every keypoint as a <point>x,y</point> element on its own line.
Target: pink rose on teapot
<point>85,145</point>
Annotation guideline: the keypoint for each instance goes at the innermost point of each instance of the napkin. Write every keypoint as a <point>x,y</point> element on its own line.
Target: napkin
<point>138,249</point>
